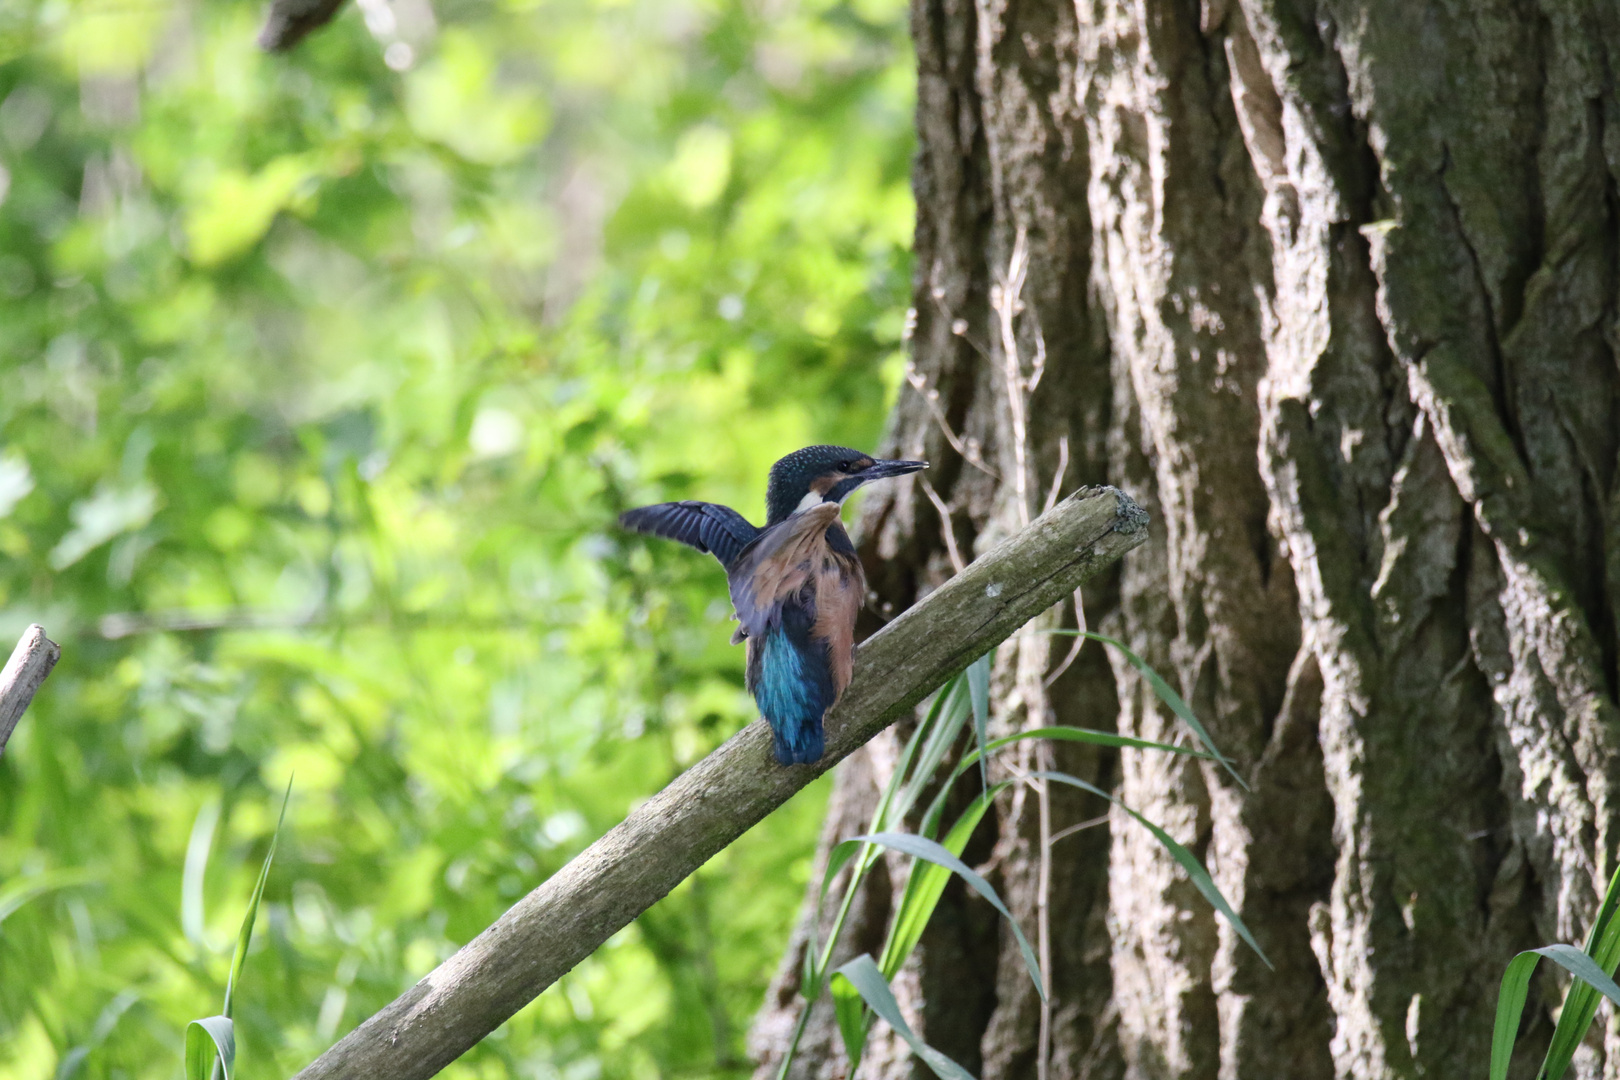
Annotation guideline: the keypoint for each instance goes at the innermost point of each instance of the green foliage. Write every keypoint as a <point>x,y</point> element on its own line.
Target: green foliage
<point>212,1039</point>
<point>978,680</point>
<point>210,1043</point>
<point>862,974</point>
<point>1164,691</point>
<point>320,385</point>
<point>860,988</point>
<point>1593,967</point>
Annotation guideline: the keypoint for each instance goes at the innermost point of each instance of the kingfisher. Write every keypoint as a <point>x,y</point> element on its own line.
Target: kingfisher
<point>796,584</point>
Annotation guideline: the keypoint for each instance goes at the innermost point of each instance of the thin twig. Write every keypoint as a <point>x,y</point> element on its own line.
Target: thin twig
<point>1038,367</point>
<point>959,327</point>
<point>1057,478</point>
<point>970,454</point>
<point>32,660</point>
<point>1072,829</point>
<point>1005,299</point>
<point>944,524</point>
<point>1079,639</point>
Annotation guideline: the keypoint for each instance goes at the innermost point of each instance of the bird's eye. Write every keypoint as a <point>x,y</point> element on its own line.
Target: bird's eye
<point>846,466</point>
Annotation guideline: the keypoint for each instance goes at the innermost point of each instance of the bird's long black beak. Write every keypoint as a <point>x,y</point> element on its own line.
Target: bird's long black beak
<point>881,469</point>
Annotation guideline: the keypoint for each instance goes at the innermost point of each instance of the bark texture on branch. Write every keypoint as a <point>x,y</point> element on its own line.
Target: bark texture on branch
<point>31,661</point>
<point>717,800</point>
<point>1332,287</point>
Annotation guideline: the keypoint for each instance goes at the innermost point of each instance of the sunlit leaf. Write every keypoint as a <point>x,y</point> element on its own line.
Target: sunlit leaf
<point>210,1042</point>
<point>245,936</point>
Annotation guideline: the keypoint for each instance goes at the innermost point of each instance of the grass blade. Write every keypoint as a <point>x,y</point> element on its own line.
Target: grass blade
<point>863,974</point>
<point>1516,987</point>
<point>193,912</point>
<point>1087,735</point>
<point>932,738</point>
<point>927,884</point>
<point>815,956</point>
<point>245,935</point>
<point>893,792</point>
<point>1509,1010</point>
<point>209,1040</point>
<point>1064,734</point>
<point>938,733</point>
<point>1166,694</point>
<point>978,680</point>
<point>1189,862</point>
<point>17,893</point>
<point>1581,1002</point>
<point>849,1010</point>
<point>922,848</point>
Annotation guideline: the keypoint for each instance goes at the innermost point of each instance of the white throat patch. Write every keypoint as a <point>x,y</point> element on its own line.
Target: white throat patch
<point>811,498</point>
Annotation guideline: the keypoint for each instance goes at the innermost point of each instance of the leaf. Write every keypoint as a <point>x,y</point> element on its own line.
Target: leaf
<point>193,918</point>
<point>1061,733</point>
<point>1189,862</point>
<point>937,733</point>
<point>922,848</point>
<point>1167,695</point>
<point>924,887</point>
<point>232,210</point>
<point>864,976</point>
<point>1516,987</point>
<point>933,738</point>
<point>1086,735</point>
<point>17,893</point>
<point>1580,1003</point>
<point>978,678</point>
<point>810,977</point>
<point>245,935</point>
<point>208,1040</point>
<point>849,1010</point>
<point>927,884</point>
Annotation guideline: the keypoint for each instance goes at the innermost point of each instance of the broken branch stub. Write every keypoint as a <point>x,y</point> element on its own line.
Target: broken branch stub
<point>670,835</point>
<point>30,662</point>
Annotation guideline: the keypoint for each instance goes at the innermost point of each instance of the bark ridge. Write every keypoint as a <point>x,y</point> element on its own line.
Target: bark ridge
<point>1332,288</point>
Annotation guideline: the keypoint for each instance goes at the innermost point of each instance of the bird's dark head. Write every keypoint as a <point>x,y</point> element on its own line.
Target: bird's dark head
<point>820,474</point>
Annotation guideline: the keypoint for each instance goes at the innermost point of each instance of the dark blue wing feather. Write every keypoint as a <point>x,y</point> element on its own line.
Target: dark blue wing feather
<point>719,530</point>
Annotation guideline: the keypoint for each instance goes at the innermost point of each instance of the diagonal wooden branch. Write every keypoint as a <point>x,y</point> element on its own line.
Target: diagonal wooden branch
<point>721,797</point>
<point>30,662</point>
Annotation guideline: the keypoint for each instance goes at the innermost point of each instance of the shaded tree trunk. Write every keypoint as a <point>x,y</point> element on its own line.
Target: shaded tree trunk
<point>1331,289</point>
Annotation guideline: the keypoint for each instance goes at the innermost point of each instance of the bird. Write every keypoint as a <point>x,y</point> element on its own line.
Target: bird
<point>796,584</point>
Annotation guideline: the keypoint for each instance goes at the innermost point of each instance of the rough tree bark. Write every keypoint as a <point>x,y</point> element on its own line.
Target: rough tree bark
<point>1330,287</point>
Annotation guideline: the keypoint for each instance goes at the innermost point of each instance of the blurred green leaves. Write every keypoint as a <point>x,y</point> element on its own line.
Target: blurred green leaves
<point>321,381</point>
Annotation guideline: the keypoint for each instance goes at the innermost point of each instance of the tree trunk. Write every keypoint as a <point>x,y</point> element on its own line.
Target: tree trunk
<point>1331,289</point>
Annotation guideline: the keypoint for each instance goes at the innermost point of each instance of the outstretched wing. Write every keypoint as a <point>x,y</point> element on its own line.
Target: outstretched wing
<point>719,530</point>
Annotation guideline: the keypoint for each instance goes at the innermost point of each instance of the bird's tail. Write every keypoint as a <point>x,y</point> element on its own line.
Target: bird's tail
<point>794,689</point>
